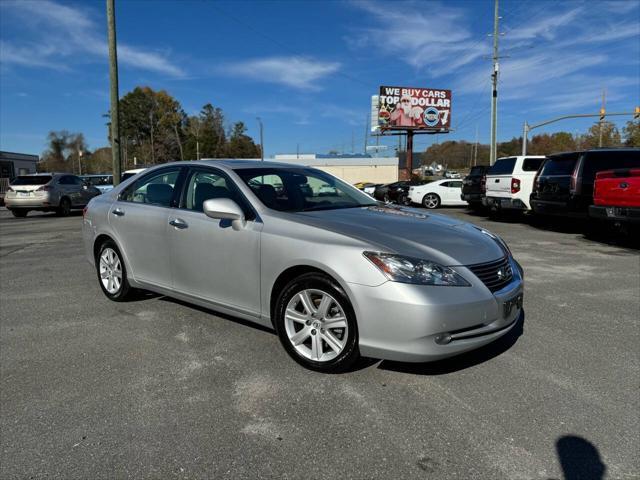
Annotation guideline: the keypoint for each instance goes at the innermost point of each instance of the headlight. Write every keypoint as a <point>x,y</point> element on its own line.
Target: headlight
<point>399,268</point>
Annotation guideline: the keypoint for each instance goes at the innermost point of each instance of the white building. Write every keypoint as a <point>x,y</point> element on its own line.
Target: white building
<point>350,168</point>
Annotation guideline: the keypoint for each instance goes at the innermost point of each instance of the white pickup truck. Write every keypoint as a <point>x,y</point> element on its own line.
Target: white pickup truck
<point>509,182</point>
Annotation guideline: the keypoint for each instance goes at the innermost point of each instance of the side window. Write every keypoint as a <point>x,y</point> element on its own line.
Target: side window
<point>455,184</point>
<point>532,164</point>
<point>205,186</point>
<point>66,180</point>
<point>76,181</point>
<point>445,184</point>
<point>154,189</point>
<point>270,190</point>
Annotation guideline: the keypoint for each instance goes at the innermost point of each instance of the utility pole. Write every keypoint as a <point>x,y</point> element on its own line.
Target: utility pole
<point>366,133</point>
<point>602,114</point>
<point>475,149</point>
<point>113,77</point>
<point>261,139</point>
<point>494,90</point>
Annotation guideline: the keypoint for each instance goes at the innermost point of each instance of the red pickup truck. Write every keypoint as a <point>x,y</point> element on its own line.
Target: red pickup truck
<point>616,196</point>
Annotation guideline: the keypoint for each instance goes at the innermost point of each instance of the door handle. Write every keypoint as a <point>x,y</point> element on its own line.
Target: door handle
<point>118,212</point>
<point>178,223</point>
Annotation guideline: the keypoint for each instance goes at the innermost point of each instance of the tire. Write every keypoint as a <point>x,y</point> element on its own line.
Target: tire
<point>386,198</point>
<point>431,201</point>
<point>109,262</point>
<point>20,213</point>
<point>323,348</point>
<point>404,200</point>
<point>64,210</point>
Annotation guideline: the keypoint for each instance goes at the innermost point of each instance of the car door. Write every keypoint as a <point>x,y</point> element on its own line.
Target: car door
<point>140,218</point>
<point>211,260</point>
<point>70,189</point>
<point>454,189</point>
<point>85,190</point>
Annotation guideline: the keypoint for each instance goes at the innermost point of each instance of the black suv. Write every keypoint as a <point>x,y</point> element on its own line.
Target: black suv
<point>473,185</point>
<point>396,192</point>
<point>564,185</point>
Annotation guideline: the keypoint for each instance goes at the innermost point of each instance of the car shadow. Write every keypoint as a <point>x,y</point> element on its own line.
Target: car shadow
<point>209,311</point>
<point>579,459</point>
<point>462,361</point>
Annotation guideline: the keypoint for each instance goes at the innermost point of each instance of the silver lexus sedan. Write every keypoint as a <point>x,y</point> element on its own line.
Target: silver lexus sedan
<point>336,274</point>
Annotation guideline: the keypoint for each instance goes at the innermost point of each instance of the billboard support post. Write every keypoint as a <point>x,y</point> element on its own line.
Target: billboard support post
<point>409,159</point>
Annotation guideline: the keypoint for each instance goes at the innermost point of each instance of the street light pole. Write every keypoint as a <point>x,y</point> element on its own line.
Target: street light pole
<point>261,139</point>
<point>80,162</point>
<point>113,77</point>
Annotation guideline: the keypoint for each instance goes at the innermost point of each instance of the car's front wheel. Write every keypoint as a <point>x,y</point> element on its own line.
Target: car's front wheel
<point>112,273</point>
<point>64,210</point>
<point>316,324</point>
<point>431,201</point>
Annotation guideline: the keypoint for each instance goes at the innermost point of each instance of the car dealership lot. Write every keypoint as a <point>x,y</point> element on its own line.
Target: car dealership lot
<point>157,388</point>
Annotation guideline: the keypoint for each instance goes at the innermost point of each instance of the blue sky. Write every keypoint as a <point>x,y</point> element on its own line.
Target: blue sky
<point>309,68</point>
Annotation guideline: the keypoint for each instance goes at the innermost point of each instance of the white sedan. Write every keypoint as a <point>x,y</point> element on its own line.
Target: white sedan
<point>438,193</point>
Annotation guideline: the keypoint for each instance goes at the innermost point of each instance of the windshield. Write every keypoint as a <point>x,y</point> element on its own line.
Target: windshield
<point>302,189</point>
<point>559,165</point>
<point>31,180</point>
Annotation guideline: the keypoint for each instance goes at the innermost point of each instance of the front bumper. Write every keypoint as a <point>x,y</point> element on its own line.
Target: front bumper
<point>504,203</point>
<point>403,322</point>
<point>615,214</point>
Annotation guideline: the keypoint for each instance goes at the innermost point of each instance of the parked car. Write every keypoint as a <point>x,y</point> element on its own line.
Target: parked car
<point>48,192</point>
<point>616,196</point>
<point>474,186</point>
<point>509,182</point>
<point>437,194</point>
<point>336,276</point>
<point>451,174</point>
<point>104,182</point>
<point>564,185</point>
<point>130,173</point>
<point>370,189</point>
<point>396,192</point>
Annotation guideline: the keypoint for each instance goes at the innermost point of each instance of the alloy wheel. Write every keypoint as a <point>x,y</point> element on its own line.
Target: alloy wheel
<point>110,271</point>
<point>431,200</point>
<point>316,325</point>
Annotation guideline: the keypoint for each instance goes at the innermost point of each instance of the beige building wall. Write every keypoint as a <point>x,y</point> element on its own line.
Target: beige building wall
<point>362,173</point>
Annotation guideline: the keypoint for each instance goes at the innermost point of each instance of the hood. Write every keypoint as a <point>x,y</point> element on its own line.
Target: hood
<point>410,232</point>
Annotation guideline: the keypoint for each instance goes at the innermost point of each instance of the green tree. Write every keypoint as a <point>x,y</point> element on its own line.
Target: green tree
<point>213,137</point>
<point>610,136</point>
<point>241,145</point>
<point>63,152</point>
<point>631,132</point>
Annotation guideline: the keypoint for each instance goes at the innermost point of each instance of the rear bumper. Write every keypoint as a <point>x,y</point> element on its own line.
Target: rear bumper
<point>504,203</point>
<point>472,197</point>
<point>544,207</point>
<point>32,203</point>
<point>615,214</point>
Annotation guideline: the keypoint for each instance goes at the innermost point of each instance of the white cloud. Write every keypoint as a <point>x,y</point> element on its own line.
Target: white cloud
<point>546,27</point>
<point>297,72</point>
<point>419,37</point>
<point>61,35</point>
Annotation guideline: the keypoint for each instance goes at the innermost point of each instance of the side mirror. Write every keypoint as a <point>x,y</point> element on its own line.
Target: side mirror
<point>225,209</point>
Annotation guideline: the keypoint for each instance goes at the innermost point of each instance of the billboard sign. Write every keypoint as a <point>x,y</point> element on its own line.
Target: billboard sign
<point>406,108</point>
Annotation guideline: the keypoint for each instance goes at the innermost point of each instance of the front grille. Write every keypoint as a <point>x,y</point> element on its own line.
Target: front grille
<point>495,275</point>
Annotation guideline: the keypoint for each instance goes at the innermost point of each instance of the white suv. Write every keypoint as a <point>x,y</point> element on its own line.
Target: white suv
<point>510,182</point>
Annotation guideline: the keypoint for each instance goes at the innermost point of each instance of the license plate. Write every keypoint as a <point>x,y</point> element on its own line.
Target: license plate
<point>509,305</point>
<point>23,194</point>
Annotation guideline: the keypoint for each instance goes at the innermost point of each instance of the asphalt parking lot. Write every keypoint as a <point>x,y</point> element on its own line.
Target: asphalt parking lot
<point>156,388</point>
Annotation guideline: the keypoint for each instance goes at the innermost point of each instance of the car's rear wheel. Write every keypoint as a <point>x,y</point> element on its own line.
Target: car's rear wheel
<point>64,210</point>
<point>431,201</point>
<point>316,324</point>
<point>112,273</point>
<point>20,213</point>
<point>386,198</point>
<point>404,200</point>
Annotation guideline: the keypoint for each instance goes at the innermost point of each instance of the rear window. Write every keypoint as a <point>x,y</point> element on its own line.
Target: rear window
<point>561,165</point>
<point>476,171</point>
<point>31,180</point>
<point>598,161</point>
<point>503,166</point>
<point>532,164</point>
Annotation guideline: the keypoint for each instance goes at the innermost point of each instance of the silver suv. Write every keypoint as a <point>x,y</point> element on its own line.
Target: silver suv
<point>48,192</point>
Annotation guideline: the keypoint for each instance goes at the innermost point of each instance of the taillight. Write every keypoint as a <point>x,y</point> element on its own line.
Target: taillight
<point>483,184</point>
<point>44,188</point>
<point>515,185</point>
<point>574,184</point>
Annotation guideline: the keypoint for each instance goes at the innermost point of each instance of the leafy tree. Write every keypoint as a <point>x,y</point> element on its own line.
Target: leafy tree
<point>212,132</point>
<point>610,136</point>
<point>241,145</point>
<point>631,132</point>
<point>99,161</point>
<point>63,152</point>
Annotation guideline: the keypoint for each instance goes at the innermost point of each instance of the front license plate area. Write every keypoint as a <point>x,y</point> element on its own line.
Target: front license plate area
<point>511,305</point>
<point>23,194</point>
